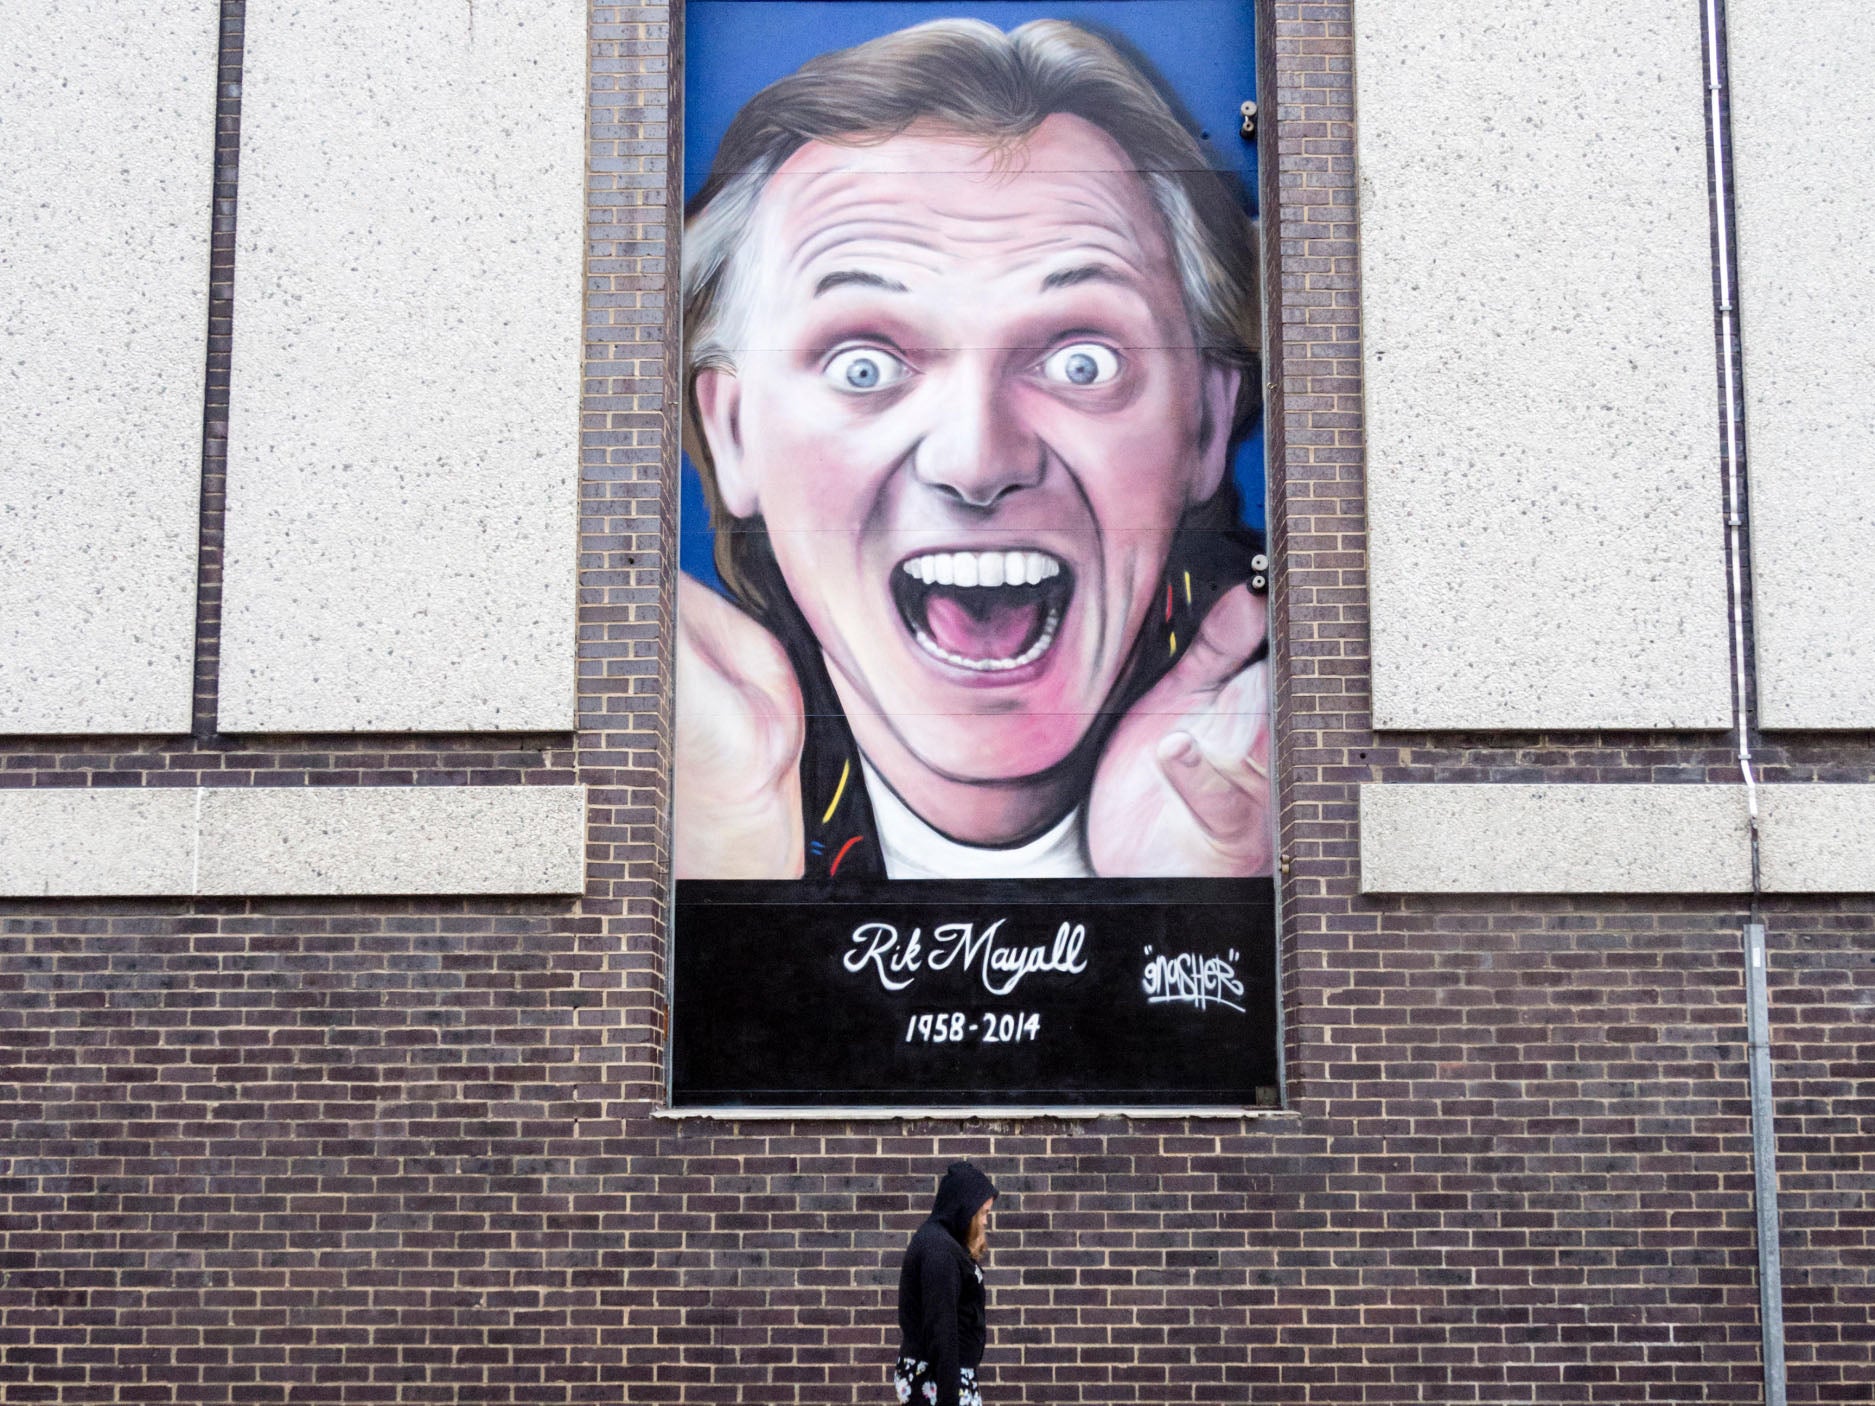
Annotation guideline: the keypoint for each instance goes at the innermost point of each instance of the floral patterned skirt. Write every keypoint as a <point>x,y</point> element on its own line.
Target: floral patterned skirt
<point>912,1380</point>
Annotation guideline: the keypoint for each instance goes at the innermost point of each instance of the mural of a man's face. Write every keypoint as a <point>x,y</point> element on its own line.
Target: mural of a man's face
<point>971,413</point>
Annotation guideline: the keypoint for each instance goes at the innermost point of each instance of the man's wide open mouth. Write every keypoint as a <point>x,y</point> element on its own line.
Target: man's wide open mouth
<point>990,612</point>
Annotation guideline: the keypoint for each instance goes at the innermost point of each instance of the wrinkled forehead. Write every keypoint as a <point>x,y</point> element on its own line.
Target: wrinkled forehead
<point>937,198</point>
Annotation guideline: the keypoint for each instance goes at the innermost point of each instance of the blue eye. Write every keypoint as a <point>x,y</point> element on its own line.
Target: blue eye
<point>864,369</point>
<point>1082,364</point>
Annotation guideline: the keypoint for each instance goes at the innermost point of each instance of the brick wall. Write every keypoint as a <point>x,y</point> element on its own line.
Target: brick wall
<point>271,1151</point>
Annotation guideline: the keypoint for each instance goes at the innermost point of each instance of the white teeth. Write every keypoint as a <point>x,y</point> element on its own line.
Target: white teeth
<point>992,666</point>
<point>983,568</point>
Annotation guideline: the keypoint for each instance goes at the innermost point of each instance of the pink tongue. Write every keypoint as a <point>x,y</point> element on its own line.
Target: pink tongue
<point>1002,632</point>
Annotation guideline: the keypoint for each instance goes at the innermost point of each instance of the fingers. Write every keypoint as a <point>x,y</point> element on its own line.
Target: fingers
<point>1230,634</point>
<point>1218,764</point>
<point>716,638</point>
<point>1221,799</point>
<point>737,748</point>
<point>1238,722</point>
<point>739,710</point>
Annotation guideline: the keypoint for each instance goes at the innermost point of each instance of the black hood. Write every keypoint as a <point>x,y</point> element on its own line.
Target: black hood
<point>963,1189</point>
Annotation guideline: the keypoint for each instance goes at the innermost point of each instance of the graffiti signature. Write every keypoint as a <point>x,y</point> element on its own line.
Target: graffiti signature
<point>1192,980</point>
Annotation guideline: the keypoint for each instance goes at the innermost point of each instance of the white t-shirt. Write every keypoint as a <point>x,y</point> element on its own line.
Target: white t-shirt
<point>913,850</point>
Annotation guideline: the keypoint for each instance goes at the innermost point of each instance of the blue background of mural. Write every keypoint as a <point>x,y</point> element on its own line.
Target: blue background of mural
<point>736,47</point>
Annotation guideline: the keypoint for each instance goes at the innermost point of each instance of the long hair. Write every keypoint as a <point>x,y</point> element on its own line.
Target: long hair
<point>979,1238</point>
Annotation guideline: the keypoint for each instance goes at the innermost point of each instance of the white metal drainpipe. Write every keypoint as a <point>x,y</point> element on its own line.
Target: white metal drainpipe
<point>1757,1012</point>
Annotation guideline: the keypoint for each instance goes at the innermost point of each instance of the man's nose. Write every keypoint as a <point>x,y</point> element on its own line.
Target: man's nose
<point>979,448</point>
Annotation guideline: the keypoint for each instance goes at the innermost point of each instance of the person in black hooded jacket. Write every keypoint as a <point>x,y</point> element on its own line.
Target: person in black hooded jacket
<point>941,1300</point>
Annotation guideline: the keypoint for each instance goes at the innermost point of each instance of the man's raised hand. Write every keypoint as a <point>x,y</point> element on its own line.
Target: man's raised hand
<point>739,733</point>
<point>1183,787</point>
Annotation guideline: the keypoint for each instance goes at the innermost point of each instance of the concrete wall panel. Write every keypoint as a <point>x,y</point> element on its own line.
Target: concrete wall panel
<point>1554,839</point>
<point>1544,514</point>
<point>135,842</point>
<point>403,439</point>
<point>79,842</point>
<point>1803,138</point>
<point>103,319</point>
<point>382,840</point>
<point>1818,838</point>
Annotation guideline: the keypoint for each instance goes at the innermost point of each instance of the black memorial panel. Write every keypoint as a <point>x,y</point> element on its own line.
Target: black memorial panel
<point>979,994</point>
